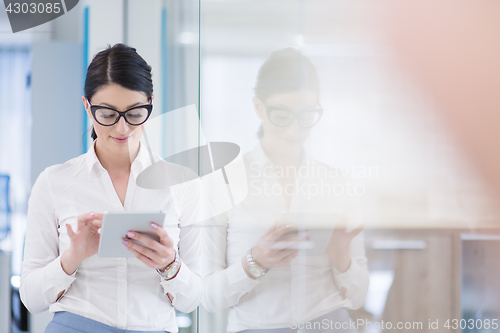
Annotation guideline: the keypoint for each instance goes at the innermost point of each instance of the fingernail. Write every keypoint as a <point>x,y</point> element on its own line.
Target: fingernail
<point>131,234</point>
<point>91,214</point>
<point>125,241</point>
<point>289,226</point>
<point>153,225</point>
<point>126,247</point>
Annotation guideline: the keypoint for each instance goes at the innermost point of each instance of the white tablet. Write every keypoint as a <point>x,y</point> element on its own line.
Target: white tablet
<point>116,225</point>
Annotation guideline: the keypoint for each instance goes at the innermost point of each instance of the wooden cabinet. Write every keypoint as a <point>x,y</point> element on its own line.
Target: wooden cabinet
<point>425,266</point>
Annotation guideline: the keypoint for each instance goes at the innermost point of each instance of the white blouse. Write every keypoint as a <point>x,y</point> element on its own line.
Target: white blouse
<point>304,289</point>
<point>120,292</point>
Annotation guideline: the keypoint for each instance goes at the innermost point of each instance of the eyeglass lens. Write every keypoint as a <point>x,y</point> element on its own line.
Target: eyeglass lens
<point>109,117</point>
<point>284,118</point>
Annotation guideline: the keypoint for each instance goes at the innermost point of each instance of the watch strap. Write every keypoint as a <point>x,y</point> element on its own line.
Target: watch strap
<point>252,262</point>
<point>174,264</point>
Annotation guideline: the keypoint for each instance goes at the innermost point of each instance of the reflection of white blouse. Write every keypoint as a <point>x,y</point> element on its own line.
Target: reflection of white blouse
<point>120,292</point>
<point>300,291</point>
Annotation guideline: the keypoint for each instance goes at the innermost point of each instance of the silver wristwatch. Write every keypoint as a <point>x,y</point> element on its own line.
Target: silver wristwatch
<point>255,269</point>
<point>171,270</point>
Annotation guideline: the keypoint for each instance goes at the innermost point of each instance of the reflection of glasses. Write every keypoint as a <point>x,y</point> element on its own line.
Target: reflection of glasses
<point>281,117</point>
<point>108,116</point>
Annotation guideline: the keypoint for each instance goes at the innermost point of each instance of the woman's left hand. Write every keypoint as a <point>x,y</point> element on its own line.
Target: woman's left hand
<point>159,254</point>
<point>338,248</point>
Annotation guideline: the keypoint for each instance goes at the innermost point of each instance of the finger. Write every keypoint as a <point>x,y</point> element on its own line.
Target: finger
<point>164,237</point>
<point>97,220</point>
<point>288,241</point>
<point>280,231</point>
<point>145,251</point>
<point>273,227</point>
<point>97,223</point>
<point>284,253</point>
<point>88,218</point>
<point>82,220</point>
<point>150,263</point>
<point>71,233</point>
<point>98,216</point>
<point>286,259</point>
<point>146,240</point>
<point>279,245</point>
<point>295,236</point>
<point>356,231</point>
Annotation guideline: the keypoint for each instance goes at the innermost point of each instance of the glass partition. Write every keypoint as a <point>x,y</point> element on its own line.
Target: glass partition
<point>356,194</point>
<point>329,195</point>
<point>169,43</point>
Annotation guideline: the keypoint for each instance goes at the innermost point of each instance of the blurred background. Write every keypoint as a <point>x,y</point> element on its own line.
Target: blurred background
<point>431,235</point>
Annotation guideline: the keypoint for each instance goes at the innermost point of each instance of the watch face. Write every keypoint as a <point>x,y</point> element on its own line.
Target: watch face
<point>171,273</point>
<point>254,270</point>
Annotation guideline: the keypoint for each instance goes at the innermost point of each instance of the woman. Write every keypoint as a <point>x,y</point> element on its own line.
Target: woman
<point>266,284</point>
<point>61,271</point>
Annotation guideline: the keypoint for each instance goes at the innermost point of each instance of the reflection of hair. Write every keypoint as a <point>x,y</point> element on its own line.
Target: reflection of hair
<point>121,65</point>
<point>285,71</point>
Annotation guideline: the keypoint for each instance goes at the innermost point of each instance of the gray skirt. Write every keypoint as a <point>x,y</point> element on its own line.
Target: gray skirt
<point>67,322</point>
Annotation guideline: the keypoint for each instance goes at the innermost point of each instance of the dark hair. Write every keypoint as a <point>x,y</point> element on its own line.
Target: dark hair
<point>121,65</point>
<point>285,71</point>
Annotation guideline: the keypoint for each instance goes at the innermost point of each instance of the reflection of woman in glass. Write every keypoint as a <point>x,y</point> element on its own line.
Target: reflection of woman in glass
<point>269,287</point>
<point>61,271</point>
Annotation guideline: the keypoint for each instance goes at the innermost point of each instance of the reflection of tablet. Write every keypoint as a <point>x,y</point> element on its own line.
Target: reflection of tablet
<point>319,225</point>
<point>116,225</point>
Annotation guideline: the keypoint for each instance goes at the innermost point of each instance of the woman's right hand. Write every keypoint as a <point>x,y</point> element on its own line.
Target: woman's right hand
<point>268,256</point>
<point>84,241</point>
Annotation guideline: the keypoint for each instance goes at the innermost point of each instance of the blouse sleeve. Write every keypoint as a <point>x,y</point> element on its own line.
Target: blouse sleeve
<point>223,285</point>
<point>42,277</point>
<point>186,286</point>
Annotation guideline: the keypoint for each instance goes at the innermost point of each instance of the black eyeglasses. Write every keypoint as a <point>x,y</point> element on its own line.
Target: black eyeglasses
<point>135,116</point>
<point>281,117</point>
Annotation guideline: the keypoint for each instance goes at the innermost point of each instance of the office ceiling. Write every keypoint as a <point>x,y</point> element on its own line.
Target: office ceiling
<point>255,26</point>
